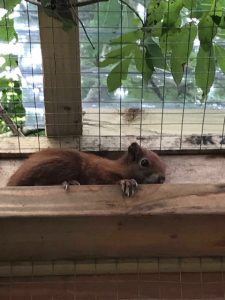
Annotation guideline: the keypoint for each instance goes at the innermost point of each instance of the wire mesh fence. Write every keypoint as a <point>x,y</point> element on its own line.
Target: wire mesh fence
<point>116,279</point>
<point>75,97</point>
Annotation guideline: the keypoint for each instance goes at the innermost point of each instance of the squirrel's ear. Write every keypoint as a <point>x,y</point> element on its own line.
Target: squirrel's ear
<point>134,150</point>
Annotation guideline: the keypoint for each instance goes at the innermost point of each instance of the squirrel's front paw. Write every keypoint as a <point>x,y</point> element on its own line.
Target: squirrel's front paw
<point>66,184</point>
<point>128,186</point>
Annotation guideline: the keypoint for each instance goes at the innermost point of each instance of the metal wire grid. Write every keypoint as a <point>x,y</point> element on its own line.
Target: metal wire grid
<point>180,126</point>
<point>93,280</point>
<point>163,125</point>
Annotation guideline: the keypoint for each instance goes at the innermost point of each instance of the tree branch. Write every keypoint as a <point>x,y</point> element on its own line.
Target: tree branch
<point>35,2</point>
<point>78,4</point>
<point>75,16</point>
<point>87,2</point>
<point>9,122</point>
<point>133,10</point>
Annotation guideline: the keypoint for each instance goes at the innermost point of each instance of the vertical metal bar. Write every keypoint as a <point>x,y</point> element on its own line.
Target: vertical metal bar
<point>121,45</point>
<point>185,85</point>
<point>99,81</point>
<point>205,106</point>
<point>164,85</point>
<point>32,73</point>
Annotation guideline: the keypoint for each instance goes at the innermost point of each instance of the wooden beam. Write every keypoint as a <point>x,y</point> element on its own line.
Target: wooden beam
<point>42,223</point>
<point>20,147</point>
<point>151,136</point>
<point>62,87</point>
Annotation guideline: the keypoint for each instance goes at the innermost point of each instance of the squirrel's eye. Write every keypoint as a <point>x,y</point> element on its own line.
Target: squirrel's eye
<point>145,162</point>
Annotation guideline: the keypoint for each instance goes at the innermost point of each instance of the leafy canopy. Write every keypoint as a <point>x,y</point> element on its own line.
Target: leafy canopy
<point>10,81</point>
<point>165,39</point>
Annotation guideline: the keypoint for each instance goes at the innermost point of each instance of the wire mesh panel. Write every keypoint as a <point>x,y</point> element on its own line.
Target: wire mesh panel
<point>162,89</point>
<point>112,280</point>
<point>158,113</point>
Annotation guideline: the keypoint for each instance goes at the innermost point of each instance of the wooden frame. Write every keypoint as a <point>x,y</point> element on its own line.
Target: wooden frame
<point>62,87</point>
<point>108,138</point>
<point>92,222</point>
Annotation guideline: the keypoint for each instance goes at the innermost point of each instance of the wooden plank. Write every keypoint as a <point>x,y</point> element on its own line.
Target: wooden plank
<point>175,121</point>
<point>91,222</point>
<point>12,147</point>
<point>62,87</point>
<point>149,125</point>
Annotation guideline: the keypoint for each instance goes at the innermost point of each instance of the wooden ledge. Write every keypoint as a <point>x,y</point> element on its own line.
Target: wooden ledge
<point>102,200</point>
<point>89,222</point>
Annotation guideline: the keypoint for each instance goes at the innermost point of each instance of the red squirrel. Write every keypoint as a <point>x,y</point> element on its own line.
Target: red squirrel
<point>57,166</point>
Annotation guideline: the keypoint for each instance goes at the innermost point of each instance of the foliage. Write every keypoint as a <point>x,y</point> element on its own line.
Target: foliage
<point>60,11</point>
<point>10,82</point>
<point>165,40</point>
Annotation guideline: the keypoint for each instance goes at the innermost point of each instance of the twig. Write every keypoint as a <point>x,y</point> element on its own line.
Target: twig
<point>133,10</point>
<point>78,4</point>
<point>9,122</point>
<point>87,2</point>
<point>35,2</point>
<point>156,90</point>
<point>75,16</point>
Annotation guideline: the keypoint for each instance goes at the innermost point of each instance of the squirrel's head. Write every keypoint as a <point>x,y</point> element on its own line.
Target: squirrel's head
<point>145,165</point>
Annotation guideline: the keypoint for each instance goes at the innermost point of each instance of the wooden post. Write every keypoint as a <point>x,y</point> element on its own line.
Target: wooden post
<point>62,86</point>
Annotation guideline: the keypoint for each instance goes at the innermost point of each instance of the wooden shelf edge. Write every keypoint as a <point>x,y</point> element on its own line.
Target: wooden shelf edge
<point>90,222</point>
<point>107,200</point>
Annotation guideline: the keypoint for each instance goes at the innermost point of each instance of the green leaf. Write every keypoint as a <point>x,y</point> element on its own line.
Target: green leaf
<point>156,30</point>
<point>166,41</point>
<point>155,12</point>
<point>128,37</point>
<point>207,30</point>
<point>221,33</point>
<point>190,4</point>
<point>9,4</point>
<point>4,83</point>
<point>107,62</point>
<point>115,55</point>
<point>157,57</point>
<point>205,70</point>
<point>117,74</point>
<point>121,52</point>
<point>10,61</point>
<point>179,56</point>
<point>143,63</point>
<point>148,67</point>
<point>220,56</point>
<point>139,58</point>
<point>177,70</point>
<point>7,32</point>
<point>172,14</point>
<point>198,7</point>
<point>220,22</point>
<point>105,13</point>
<point>136,21</point>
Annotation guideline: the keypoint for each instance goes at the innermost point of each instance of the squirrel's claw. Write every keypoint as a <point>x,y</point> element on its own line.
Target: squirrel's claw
<point>66,184</point>
<point>128,186</point>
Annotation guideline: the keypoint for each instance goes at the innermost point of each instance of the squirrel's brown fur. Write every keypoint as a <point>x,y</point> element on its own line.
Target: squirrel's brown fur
<point>54,166</point>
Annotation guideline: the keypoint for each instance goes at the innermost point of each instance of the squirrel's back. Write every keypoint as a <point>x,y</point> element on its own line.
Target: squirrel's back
<point>54,166</point>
